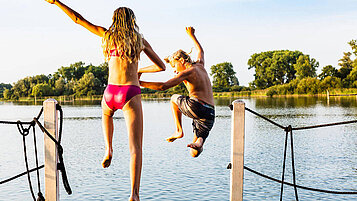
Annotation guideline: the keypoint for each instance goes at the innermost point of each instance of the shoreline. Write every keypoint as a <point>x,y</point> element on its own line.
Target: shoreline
<point>163,96</point>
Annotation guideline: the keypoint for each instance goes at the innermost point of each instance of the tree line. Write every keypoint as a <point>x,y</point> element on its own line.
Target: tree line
<point>283,72</point>
<point>77,79</point>
<point>279,72</point>
<point>292,72</point>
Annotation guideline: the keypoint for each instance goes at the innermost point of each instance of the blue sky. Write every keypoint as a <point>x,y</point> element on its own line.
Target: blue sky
<point>37,38</point>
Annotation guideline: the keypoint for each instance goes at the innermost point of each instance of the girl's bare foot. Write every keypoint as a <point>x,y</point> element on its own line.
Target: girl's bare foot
<point>107,158</point>
<point>134,198</point>
<point>175,136</point>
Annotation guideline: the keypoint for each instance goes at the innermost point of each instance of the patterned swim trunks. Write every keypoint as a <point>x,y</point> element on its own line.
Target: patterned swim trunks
<point>202,114</point>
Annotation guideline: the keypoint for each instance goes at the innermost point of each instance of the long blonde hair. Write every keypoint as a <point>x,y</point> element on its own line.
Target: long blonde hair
<point>123,35</point>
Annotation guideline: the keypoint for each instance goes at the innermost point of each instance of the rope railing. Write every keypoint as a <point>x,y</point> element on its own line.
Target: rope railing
<point>288,130</point>
<point>25,131</point>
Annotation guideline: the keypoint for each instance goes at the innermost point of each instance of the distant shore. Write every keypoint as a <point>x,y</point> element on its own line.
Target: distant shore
<point>161,95</point>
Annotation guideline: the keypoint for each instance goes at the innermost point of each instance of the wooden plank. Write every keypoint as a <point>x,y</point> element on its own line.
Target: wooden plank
<point>51,158</point>
<point>237,154</point>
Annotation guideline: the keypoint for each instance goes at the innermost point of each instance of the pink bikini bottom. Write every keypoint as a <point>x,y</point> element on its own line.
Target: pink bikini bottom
<point>116,96</point>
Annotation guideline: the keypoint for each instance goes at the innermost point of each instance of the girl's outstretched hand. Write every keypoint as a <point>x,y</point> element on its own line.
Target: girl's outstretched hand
<point>190,31</point>
<point>51,1</point>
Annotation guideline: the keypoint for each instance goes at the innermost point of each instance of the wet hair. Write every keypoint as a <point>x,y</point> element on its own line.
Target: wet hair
<point>123,35</point>
<point>178,55</point>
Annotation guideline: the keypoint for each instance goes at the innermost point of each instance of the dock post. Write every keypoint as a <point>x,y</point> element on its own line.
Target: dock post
<point>50,149</point>
<point>237,155</point>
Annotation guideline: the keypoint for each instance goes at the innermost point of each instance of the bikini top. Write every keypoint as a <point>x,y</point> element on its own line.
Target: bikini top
<point>116,53</point>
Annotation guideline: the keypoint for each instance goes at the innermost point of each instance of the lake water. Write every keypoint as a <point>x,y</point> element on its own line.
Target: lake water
<point>325,158</point>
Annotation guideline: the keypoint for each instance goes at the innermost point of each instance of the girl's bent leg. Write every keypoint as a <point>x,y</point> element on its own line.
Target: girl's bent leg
<point>108,128</point>
<point>134,120</point>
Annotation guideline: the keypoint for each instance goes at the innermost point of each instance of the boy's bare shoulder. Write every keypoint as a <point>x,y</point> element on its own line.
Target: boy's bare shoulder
<point>198,63</point>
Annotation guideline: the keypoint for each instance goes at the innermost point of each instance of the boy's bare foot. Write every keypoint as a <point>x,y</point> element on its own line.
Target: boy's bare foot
<point>107,158</point>
<point>196,147</point>
<point>175,136</point>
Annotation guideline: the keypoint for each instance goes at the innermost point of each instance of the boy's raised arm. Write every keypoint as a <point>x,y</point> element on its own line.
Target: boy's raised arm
<point>191,33</point>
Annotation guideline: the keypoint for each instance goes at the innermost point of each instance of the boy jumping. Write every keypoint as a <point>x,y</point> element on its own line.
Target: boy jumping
<point>199,105</point>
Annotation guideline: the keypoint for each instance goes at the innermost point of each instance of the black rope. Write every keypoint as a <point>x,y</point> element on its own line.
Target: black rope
<point>261,116</point>
<point>24,133</point>
<point>299,186</point>
<point>23,122</point>
<point>44,130</point>
<point>293,163</point>
<point>40,196</point>
<point>60,165</point>
<point>21,174</point>
<point>299,128</point>
<point>283,173</point>
<point>59,108</point>
<point>287,130</point>
<point>325,125</point>
<point>15,122</point>
<point>40,113</point>
<point>290,184</point>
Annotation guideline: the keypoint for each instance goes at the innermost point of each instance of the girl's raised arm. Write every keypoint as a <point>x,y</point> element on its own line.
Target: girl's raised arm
<point>77,18</point>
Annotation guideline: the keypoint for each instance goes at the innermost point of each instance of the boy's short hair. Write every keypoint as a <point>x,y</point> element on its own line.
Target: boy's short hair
<point>178,55</point>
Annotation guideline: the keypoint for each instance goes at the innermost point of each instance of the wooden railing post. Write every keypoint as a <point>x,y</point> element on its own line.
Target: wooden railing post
<point>237,156</point>
<point>50,149</point>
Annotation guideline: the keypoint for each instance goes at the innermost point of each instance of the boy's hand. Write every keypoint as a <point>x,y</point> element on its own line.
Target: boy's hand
<point>190,31</point>
<point>51,1</point>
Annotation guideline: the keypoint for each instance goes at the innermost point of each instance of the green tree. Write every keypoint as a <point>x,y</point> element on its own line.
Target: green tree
<point>284,89</point>
<point>8,94</point>
<point>328,71</point>
<point>3,87</point>
<point>275,67</point>
<point>74,71</point>
<point>223,76</point>
<point>23,87</point>
<point>353,44</point>
<point>70,87</point>
<point>345,65</point>
<point>100,72</point>
<point>351,79</point>
<point>42,89</point>
<point>60,86</point>
<point>308,85</point>
<point>330,82</point>
<point>88,85</point>
<point>305,67</point>
<point>352,76</point>
<point>38,79</point>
